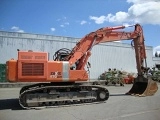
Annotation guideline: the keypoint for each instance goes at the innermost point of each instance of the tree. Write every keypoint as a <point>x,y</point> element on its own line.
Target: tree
<point>156,54</point>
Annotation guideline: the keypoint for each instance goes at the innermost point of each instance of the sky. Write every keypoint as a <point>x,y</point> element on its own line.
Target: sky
<point>76,18</point>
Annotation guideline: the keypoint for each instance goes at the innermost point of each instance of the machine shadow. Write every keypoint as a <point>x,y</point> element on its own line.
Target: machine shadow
<point>12,104</point>
<point>118,95</point>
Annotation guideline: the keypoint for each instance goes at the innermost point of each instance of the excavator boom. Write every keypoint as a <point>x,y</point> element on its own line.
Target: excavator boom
<point>108,34</point>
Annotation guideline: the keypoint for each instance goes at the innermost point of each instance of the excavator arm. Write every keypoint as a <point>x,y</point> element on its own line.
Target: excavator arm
<point>140,50</point>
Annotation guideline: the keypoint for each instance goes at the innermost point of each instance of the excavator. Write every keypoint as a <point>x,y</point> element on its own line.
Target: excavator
<point>64,80</point>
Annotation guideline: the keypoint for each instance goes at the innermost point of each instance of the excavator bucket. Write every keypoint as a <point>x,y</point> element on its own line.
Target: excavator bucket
<point>143,87</point>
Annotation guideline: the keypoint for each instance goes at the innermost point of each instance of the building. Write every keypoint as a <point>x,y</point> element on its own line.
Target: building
<point>108,55</point>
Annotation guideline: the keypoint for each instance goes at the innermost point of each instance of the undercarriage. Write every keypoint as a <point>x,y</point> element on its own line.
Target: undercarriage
<point>55,95</point>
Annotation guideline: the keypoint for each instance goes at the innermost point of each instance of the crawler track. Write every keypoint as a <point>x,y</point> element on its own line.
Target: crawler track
<point>49,95</point>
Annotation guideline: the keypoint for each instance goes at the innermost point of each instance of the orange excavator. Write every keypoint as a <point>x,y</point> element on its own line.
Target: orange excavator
<point>64,80</point>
